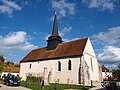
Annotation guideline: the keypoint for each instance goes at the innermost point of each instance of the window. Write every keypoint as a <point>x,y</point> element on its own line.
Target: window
<point>59,66</point>
<point>69,65</point>
<point>30,66</point>
<point>91,64</point>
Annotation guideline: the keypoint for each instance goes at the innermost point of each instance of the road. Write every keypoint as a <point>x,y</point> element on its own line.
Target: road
<point>4,87</point>
<point>98,88</point>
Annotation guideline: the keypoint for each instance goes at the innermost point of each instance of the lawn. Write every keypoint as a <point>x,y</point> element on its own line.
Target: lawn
<point>37,86</point>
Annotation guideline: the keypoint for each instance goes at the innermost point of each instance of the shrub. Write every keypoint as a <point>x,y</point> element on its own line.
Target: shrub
<point>31,78</point>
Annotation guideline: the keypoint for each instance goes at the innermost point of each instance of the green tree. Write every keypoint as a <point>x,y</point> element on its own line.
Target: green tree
<point>8,65</point>
<point>1,66</point>
<point>2,58</point>
<point>116,72</point>
<point>17,65</point>
<point>119,66</point>
<point>1,63</point>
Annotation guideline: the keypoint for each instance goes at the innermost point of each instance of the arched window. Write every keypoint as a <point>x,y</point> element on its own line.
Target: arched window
<point>30,66</point>
<point>69,65</point>
<point>91,64</point>
<point>59,66</point>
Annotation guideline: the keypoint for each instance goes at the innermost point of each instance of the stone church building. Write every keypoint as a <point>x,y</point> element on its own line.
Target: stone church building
<point>71,62</point>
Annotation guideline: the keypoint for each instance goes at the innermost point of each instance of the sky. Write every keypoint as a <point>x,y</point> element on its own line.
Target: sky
<point>26,24</point>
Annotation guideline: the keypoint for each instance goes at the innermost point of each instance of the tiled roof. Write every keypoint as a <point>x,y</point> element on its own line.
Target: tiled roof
<point>67,49</point>
<point>104,69</point>
<point>12,69</point>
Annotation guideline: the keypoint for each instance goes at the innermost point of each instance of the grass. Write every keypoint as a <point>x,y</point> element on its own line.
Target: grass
<point>37,86</point>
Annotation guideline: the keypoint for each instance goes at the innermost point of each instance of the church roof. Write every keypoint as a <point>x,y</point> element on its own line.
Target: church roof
<point>67,49</point>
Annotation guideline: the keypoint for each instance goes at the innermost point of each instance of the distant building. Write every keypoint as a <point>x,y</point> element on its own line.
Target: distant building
<point>11,70</point>
<point>71,62</point>
<point>106,73</point>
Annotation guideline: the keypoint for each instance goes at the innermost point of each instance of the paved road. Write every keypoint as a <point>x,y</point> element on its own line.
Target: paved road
<point>98,88</point>
<point>4,87</point>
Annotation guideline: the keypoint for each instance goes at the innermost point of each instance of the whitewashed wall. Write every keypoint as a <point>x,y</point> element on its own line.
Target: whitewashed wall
<point>52,66</point>
<point>90,58</point>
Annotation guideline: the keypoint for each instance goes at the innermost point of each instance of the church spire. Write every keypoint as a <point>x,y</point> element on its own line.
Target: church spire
<point>54,39</point>
<point>55,26</point>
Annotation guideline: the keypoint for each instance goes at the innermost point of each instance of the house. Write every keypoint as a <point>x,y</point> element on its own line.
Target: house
<point>71,62</point>
<point>11,70</point>
<point>106,73</point>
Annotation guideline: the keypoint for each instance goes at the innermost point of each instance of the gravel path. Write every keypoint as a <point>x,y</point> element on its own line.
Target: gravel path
<point>4,87</point>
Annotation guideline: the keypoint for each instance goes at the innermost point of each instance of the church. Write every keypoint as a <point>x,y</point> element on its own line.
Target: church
<point>71,62</point>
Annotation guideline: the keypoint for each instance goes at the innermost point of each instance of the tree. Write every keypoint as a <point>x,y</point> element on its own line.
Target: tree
<point>2,58</point>
<point>17,65</point>
<point>116,73</point>
<point>7,65</point>
<point>1,63</point>
<point>1,66</point>
<point>119,66</point>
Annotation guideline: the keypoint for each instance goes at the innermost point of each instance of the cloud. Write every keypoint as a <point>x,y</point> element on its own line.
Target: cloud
<point>110,54</point>
<point>110,57</point>
<point>111,66</point>
<point>63,33</point>
<point>112,37</point>
<point>8,7</point>
<point>63,8</point>
<point>101,4</point>
<point>26,3</point>
<point>16,41</point>
<point>4,27</point>
<point>65,30</point>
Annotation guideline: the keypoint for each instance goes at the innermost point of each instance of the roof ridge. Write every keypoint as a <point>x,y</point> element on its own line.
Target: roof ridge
<point>39,48</point>
<point>75,40</point>
<point>63,43</point>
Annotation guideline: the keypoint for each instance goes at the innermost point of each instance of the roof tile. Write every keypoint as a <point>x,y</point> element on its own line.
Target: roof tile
<point>104,69</point>
<point>67,49</point>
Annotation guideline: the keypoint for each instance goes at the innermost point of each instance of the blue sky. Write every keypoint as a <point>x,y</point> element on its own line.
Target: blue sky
<point>26,24</point>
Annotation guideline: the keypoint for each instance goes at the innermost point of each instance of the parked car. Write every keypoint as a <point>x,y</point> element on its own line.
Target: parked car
<point>11,80</point>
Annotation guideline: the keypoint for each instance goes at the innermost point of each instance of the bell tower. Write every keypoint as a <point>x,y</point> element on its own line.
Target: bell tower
<point>54,39</point>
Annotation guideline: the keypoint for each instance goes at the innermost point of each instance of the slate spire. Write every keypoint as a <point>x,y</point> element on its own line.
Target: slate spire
<point>55,26</point>
<point>54,39</point>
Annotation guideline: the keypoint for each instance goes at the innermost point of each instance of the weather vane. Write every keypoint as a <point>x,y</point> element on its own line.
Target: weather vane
<point>56,12</point>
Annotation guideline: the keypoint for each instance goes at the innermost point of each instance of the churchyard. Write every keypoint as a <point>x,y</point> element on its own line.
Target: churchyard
<point>37,86</point>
